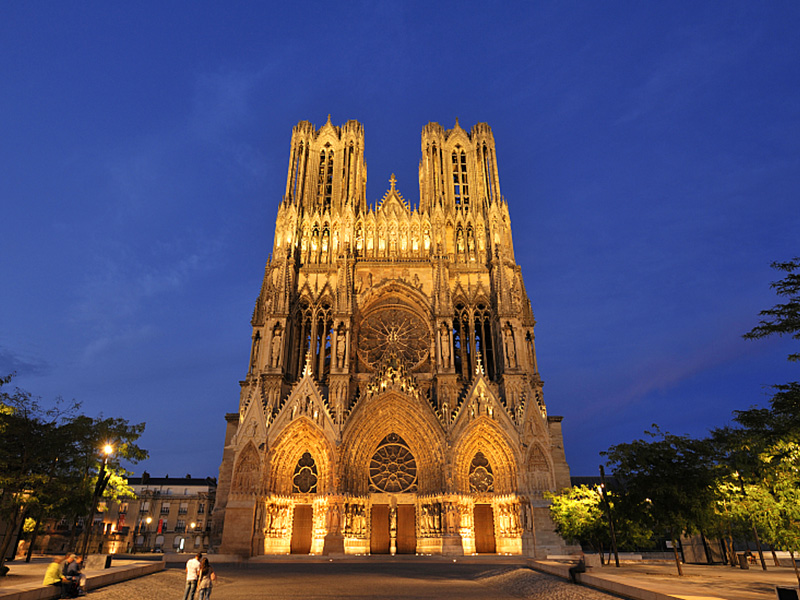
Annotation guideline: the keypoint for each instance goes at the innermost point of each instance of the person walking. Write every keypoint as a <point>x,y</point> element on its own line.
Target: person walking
<point>192,575</point>
<point>207,579</point>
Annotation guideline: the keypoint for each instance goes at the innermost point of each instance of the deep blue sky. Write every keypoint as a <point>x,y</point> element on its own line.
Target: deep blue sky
<point>649,152</point>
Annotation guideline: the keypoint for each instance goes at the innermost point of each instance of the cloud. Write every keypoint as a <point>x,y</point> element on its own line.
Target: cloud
<point>15,362</point>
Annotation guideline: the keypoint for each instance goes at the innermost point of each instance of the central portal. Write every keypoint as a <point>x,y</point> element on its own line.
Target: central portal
<point>406,529</point>
<point>406,533</point>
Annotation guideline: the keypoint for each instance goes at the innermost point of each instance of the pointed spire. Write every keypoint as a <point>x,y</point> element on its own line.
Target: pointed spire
<point>307,371</point>
<point>329,119</point>
<point>392,181</point>
<point>479,365</point>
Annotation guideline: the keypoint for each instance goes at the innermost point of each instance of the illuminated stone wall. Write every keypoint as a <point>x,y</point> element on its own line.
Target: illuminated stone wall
<point>392,385</point>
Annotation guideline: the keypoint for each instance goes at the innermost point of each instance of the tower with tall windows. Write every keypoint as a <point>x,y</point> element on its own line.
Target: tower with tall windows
<point>392,401</point>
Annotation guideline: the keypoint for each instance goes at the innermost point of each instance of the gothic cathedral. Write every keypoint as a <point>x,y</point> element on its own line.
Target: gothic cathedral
<point>392,403</point>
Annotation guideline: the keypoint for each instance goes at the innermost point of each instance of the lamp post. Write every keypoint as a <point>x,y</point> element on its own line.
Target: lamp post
<point>608,512</point>
<point>103,476</point>
<point>147,521</point>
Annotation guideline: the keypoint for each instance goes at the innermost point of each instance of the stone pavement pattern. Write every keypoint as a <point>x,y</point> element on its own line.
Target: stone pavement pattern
<point>379,581</point>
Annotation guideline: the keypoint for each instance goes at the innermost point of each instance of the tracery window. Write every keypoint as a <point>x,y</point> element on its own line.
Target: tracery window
<point>393,468</point>
<point>483,338</point>
<point>302,341</point>
<point>460,186</point>
<point>481,478</point>
<point>393,330</point>
<point>305,475</point>
<point>325,178</point>
<point>487,173</point>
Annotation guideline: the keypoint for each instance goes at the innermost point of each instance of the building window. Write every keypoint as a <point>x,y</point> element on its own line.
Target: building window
<point>183,508</point>
<point>460,186</point>
<point>145,507</point>
<point>481,478</point>
<point>305,475</point>
<point>201,508</point>
<point>180,526</point>
<point>325,179</point>
<point>123,508</point>
<point>393,468</point>
<point>165,508</point>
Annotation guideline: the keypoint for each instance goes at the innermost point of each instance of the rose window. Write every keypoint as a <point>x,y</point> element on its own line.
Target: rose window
<point>393,468</point>
<point>393,331</point>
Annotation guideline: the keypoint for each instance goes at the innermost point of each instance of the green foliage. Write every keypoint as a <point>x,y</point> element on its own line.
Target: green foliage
<point>50,460</point>
<point>782,319</point>
<point>578,516</point>
<point>667,480</point>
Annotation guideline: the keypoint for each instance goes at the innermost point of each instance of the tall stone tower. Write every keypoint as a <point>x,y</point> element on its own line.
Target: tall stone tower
<point>392,401</point>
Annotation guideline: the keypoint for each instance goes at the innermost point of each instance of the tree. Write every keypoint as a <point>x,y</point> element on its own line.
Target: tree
<point>49,461</point>
<point>31,442</point>
<point>578,516</point>
<point>782,319</point>
<point>668,482</point>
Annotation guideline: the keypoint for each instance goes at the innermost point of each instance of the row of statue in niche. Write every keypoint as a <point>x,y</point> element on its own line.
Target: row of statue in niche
<point>434,519</point>
<point>322,247</point>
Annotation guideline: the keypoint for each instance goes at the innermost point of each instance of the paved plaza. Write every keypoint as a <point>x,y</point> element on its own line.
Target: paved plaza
<point>470,578</point>
<point>376,580</point>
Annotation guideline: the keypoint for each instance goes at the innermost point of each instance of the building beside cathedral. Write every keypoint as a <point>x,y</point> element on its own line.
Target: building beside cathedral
<point>392,402</point>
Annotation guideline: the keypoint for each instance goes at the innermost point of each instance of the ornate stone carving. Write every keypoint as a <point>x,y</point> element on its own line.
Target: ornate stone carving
<point>393,356</point>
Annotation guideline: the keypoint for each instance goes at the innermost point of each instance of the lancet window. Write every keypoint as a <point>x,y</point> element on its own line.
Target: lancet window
<point>483,338</point>
<point>462,340</point>
<point>302,341</point>
<point>472,333</point>
<point>325,178</point>
<point>323,340</point>
<point>486,159</point>
<point>460,185</point>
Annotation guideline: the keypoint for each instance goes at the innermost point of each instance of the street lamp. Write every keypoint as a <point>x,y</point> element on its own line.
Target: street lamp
<point>607,505</point>
<point>103,476</point>
<point>148,520</point>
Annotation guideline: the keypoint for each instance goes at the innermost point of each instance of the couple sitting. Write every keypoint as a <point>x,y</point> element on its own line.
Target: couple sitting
<point>65,573</point>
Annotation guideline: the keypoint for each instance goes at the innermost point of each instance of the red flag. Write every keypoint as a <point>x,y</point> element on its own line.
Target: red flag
<point>160,525</point>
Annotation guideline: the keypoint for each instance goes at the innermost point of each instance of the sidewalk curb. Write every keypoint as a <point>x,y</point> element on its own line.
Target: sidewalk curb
<point>93,581</point>
<point>604,585</point>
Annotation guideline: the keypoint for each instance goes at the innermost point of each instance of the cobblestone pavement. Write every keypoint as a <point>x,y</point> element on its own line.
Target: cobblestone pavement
<point>379,581</point>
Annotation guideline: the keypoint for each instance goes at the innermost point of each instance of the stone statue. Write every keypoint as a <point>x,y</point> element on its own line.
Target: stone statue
<point>444,340</point>
<point>341,342</point>
<point>334,518</point>
<point>511,353</point>
<point>276,348</point>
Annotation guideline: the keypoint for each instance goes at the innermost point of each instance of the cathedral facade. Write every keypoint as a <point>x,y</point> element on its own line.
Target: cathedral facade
<point>392,402</point>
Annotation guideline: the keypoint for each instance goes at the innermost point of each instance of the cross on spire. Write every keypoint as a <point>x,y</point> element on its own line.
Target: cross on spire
<point>392,180</point>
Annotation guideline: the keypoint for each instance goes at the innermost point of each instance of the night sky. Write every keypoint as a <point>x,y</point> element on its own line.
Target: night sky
<point>649,153</point>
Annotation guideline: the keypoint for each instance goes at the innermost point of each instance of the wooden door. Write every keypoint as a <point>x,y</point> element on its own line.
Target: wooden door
<point>379,538</point>
<point>406,529</point>
<point>484,529</point>
<point>302,529</point>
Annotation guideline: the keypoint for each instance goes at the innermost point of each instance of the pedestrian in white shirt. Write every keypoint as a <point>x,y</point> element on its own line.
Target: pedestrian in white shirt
<point>192,575</point>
